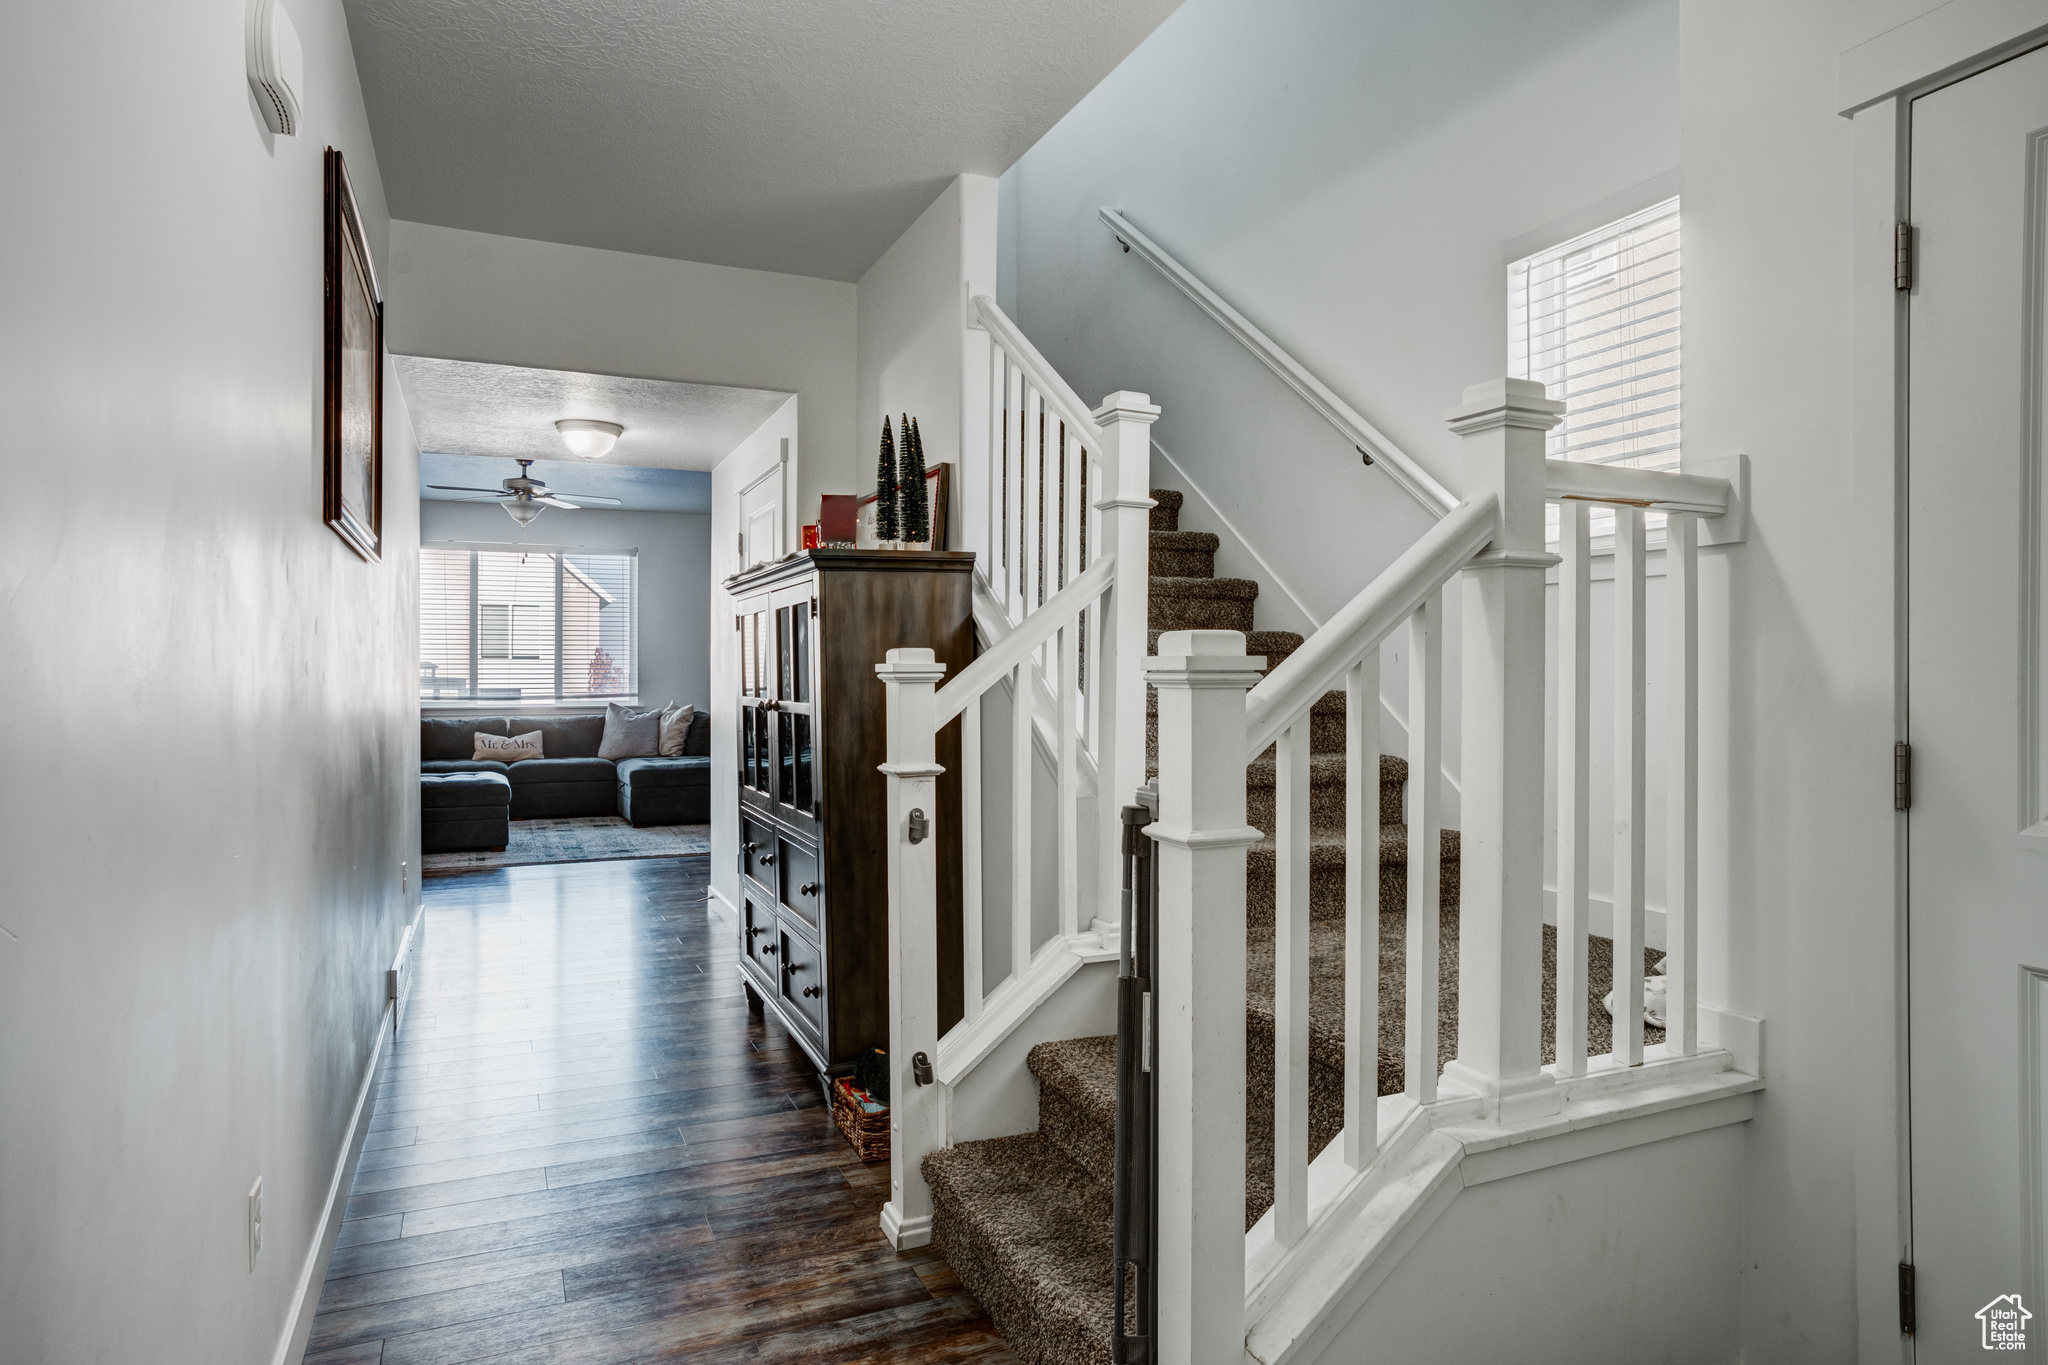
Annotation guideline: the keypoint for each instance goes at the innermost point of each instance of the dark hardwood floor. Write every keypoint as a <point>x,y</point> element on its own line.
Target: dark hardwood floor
<point>586,1149</point>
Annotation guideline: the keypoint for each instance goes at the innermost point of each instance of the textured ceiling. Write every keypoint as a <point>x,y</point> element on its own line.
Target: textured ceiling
<point>792,135</point>
<point>460,407</point>
<point>637,489</point>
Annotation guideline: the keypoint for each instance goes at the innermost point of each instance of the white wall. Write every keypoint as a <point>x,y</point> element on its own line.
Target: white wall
<point>915,354</point>
<point>212,765</point>
<point>675,578</point>
<point>1348,175</point>
<point>1619,1259</point>
<point>756,456</point>
<point>472,296</point>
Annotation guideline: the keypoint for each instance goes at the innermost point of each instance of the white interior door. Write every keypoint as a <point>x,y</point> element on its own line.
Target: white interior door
<point>761,519</point>
<point>1978,951</point>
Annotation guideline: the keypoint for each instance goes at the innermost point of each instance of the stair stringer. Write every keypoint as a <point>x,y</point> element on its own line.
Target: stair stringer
<point>1363,1224</point>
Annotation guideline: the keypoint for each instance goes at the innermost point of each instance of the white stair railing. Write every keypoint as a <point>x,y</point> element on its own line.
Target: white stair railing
<point>1067,569</point>
<point>1494,543</point>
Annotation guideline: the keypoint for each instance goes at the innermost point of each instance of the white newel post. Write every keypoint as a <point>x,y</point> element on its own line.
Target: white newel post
<point>917,1119</point>
<point>1198,972</point>
<point>1126,506</point>
<point>1500,918</point>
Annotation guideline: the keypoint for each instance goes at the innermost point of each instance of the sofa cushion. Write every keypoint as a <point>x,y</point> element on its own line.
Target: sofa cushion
<point>557,800</point>
<point>454,737</point>
<point>655,774</point>
<point>562,736</point>
<point>462,765</point>
<point>698,745</point>
<point>675,730</point>
<point>509,748</point>
<point>441,791</point>
<point>563,770</point>
<point>629,733</point>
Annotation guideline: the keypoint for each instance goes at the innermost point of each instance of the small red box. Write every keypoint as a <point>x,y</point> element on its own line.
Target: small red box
<point>835,517</point>
<point>811,536</point>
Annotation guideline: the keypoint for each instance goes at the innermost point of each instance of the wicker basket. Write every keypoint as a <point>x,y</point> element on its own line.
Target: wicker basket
<point>869,1133</point>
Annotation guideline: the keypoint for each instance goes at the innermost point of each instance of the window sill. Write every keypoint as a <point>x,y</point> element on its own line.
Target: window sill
<point>505,706</point>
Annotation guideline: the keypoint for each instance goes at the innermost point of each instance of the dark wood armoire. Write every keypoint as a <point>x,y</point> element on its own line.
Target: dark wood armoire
<point>813,809</point>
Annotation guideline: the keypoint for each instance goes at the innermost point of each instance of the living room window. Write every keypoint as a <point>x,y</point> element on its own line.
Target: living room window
<point>500,625</point>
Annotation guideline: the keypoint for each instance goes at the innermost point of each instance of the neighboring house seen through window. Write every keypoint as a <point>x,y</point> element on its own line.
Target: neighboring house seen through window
<point>527,625</point>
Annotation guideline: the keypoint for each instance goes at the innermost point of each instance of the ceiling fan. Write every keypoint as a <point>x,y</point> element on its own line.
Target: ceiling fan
<point>525,497</point>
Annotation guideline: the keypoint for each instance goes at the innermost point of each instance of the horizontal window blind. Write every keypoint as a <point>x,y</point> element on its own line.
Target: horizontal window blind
<point>527,625</point>
<point>1595,320</point>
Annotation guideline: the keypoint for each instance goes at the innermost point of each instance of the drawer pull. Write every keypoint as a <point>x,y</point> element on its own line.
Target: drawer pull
<point>810,992</point>
<point>765,859</point>
<point>749,846</point>
<point>808,889</point>
<point>769,950</point>
<point>794,967</point>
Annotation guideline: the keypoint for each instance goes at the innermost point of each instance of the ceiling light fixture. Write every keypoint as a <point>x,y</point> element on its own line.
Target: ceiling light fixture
<point>522,511</point>
<point>591,440</point>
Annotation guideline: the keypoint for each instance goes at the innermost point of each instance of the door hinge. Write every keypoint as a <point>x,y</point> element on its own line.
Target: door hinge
<point>814,607</point>
<point>1902,776</point>
<point>1902,256</point>
<point>741,540</point>
<point>1907,1319</point>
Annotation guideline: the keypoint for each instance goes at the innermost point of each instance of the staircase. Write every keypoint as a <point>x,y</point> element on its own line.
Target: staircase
<point>1025,1220</point>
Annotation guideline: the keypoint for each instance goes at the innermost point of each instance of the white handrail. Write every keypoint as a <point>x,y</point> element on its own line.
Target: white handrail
<point>1043,376</point>
<point>1024,639</point>
<point>1400,466</point>
<point>1386,602</point>
<point>1658,490</point>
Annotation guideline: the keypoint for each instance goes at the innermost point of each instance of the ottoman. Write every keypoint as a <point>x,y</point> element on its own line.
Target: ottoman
<point>666,791</point>
<point>461,812</point>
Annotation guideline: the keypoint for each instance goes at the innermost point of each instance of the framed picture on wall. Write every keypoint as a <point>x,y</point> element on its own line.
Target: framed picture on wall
<point>937,483</point>
<point>353,408</point>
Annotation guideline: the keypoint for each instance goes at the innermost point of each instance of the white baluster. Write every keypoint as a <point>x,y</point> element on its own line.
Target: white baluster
<point>1425,838</point>
<point>1500,917</point>
<point>916,1113</point>
<point>1290,983</point>
<point>1013,420</point>
<point>1199,976</point>
<point>1034,499</point>
<point>1021,762</point>
<point>1362,910</point>
<point>1682,860</point>
<point>1066,686</point>
<point>1628,785</point>
<point>1574,777</point>
<point>970,861</point>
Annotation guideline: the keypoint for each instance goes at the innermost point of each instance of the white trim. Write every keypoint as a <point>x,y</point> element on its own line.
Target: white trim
<point>722,905</point>
<point>1613,208</point>
<point>969,1043</point>
<point>905,1234</point>
<point>1947,44</point>
<point>298,1324</point>
<point>1409,475</point>
<point>1363,1223</point>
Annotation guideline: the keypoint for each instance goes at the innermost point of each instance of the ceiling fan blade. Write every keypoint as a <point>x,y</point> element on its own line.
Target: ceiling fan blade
<point>592,499</point>
<point>452,488</point>
<point>552,501</point>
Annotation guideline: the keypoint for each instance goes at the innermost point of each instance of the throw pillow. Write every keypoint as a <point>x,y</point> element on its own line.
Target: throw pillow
<point>508,748</point>
<point>629,733</point>
<point>675,729</point>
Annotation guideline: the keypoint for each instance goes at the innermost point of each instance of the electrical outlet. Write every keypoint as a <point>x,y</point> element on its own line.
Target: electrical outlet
<point>255,1220</point>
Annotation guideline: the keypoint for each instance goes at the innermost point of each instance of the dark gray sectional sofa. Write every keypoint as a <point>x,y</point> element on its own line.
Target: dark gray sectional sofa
<point>571,779</point>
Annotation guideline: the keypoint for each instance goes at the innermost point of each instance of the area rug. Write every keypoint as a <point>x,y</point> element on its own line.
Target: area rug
<point>584,839</point>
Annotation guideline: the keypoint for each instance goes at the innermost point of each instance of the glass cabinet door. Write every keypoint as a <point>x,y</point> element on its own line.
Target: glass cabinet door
<point>793,624</point>
<point>757,666</point>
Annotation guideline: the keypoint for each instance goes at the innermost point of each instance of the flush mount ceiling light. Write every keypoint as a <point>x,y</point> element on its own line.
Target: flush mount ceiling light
<point>591,440</point>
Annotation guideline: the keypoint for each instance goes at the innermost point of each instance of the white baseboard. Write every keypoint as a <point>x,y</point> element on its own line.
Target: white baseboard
<point>1742,1035</point>
<point>905,1234</point>
<point>723,906</point>
<point>298,1325</point>
<point>1600,914</point>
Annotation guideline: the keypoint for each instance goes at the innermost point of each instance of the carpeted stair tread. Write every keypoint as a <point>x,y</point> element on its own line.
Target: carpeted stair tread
<point>1166,514</point>
<point>1183,554</point>
<point>1028,1233</point>
<point>1077,1100</point>
<point>1201,603</point>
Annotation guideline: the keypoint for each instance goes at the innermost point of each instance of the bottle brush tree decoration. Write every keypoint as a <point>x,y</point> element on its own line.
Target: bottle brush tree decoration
<point>885,489</point>
<point>915,514</point>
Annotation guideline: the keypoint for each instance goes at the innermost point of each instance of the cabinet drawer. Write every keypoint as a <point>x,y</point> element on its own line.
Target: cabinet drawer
<point>802,892</point>
<point>803,980</point>
<point>757,851</point>
<point>757,933</point>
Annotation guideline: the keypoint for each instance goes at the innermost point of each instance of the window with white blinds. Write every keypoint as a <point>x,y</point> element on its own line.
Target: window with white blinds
<point>1595,320</point>
<point>501,625</point>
